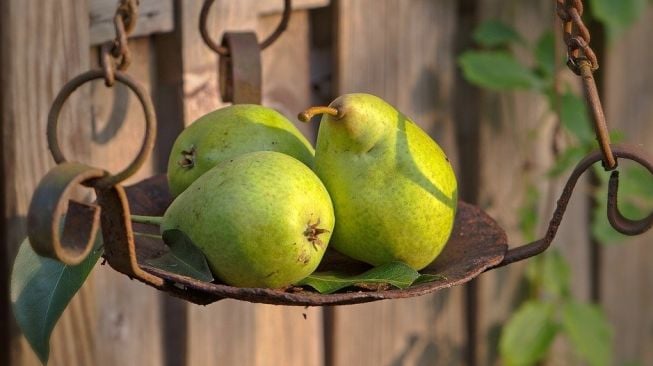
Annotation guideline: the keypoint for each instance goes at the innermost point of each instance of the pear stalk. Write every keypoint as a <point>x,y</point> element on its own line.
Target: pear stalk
<point>311,112</point>
<point>148,220</point>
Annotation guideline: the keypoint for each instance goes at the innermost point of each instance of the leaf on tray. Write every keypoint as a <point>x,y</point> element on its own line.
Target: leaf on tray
<point>41,288</point>
<point>184,257</point>
<point>396,274</point>
<point>425,278</point>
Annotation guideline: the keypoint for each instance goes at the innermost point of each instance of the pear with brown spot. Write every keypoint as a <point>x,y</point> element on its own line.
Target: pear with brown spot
<point>262,219</point>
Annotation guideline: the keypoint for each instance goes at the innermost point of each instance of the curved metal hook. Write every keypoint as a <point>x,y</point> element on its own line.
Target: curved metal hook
<point>617,220</point>
<point>629,227</point>
<point>51,202</point>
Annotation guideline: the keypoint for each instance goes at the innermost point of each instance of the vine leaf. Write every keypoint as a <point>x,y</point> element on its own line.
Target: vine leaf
<point>527,336</point>
<point>497,70</point>
<point>184,257</point>
<point>493,33</point>
<point>589,332</point>
<point>617,15</point>
<point>41,288</point>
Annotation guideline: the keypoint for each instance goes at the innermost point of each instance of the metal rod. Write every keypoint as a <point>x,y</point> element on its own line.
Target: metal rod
<point>598,117</point>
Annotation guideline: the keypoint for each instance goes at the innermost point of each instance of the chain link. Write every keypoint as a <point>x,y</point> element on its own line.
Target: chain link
<point>576,35</point>
<point>115,54</point>
<point>581,59</point>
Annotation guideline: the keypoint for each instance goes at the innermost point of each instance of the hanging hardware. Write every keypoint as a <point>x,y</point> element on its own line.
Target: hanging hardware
<point>617,221</point>
<point>224,51</point>
<point>477,243</point>
<point>148,110</point>
<point>51,198</point>
<point>239,70</point>
<point>577,38</point>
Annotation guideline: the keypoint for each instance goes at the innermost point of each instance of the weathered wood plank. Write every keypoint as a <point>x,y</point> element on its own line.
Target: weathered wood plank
<point>401,51</point>
<point>286,68</point>
<point>231,332</point>
<point>516,134</point>
<point>5,257</point>
<point>155,16</point>
<point>266,7</point>
<point>128,329</point>
<point>627,274</point>
<point>44,45</point>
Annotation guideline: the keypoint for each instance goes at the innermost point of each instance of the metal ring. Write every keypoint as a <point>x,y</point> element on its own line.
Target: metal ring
<point>223,51</point>
<point>148,110</point>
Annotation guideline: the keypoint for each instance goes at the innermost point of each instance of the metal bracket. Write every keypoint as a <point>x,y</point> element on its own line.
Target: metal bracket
<point>240,70</point>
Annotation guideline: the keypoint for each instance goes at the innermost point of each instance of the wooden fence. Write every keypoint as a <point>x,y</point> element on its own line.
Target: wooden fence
<point>402,50</point>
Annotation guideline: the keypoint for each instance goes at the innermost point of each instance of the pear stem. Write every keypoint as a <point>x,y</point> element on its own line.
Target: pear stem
<point>148,220</point>
<point>311,112</point>
<point>147,235</point>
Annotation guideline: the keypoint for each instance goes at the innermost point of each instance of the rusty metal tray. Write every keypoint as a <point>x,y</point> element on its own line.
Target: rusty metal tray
<point>481,245</point>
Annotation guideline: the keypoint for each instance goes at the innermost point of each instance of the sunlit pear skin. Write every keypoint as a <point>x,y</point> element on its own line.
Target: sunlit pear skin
<point>228,132</point>
<point>262,219</point>
<point>393,188</point>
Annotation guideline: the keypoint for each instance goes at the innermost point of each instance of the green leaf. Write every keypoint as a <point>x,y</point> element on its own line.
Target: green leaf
<point>527,336</point>
<point>556,274</point>
<point>617,15</point>
<point>184,257</point>
<point>496,70</point>
<point>425,278</point>
<point>493,33</point>
<point>589,332</point>
<point>397,274</point>
<point>545,53</point>
<point>41,288</point>
<point>636,183</point>
<point>528,213</point>
<point>574,116</point>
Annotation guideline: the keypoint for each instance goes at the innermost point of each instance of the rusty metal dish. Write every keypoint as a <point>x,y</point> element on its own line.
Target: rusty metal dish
<point>476,244</point>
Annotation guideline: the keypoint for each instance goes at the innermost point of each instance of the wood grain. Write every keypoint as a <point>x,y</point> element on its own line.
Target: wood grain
<point>516,135</point>
<point>266,7</point>
<point>627,274</point>
<point>401,51</point>
<point>127,310</point>
<point>45,45</point>
<point>155,16</point>
<point>286,69</point>
<point>231,332</point>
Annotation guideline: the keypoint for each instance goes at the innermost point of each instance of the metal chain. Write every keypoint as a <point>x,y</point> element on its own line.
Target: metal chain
<point>581,59</point>
<point>571,12</point>
<point>114,58</point>
<point>115,54</point>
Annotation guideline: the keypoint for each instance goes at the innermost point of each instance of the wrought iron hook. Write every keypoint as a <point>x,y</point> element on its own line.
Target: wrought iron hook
<point>617,221</point>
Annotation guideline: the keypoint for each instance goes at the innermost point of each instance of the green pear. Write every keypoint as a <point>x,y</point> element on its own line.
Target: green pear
<point>393,188</point>
<point>262,219</point>
<point>228,132</point>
